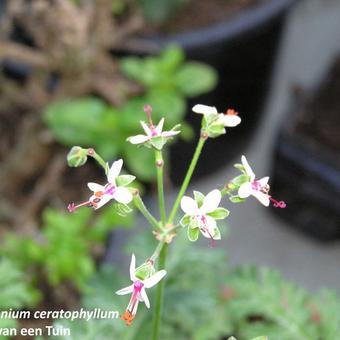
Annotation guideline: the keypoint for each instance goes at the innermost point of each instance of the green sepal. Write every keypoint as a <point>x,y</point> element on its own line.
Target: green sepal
<point>217,234</point>
<point>122,209</point>
<point>158,142</point>
<point>215,130</point>
<point>185,220</point>
<point>199,197</point>
<point>77,156</point>
<point>145,271</point>
<point>239,180</point>
<point>240,167</point>
<point>193,234</point>
<point>237,199</point>
<point>219,214</point>
<point>124,180</point>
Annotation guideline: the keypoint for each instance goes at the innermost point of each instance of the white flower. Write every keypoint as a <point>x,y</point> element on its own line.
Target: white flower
<point>257,188</point>
<point>137,290</point>
<point>229,119</point>
<point>151,132</point>
<point>104,193</point>
<point>199,214</point>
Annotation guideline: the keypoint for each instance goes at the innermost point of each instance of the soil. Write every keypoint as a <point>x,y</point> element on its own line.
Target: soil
<point>190,16</point>
<point>320,119</point>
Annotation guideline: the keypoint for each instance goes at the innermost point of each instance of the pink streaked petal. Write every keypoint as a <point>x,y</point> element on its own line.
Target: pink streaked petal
<point>208,229</point>
<point>189,206</point>
<point>103,200</point>
<point>133,267</point>
<point>122,195</point>
<point>211,201</point>
<point>146,128</point>
<point>114,171</point>
<point>170,133</point>
<point>145,298</point>
<point>95,187</point>
<point>159,127</point>
<point>247,168</point>
<point>231,120</point>
<point>154,279</point>
<point>245,190</point>
<point>204,109</point>
<point>262,197</point>
<point>124,291</point>
<point>139,139</point>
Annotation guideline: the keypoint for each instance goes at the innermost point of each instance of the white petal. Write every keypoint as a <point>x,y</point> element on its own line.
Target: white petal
<point>146,128</point>
<point>189,206</point>
<point>263,181</point>
<point>159,127</point>
<point>122,195</point>
<point>145,297</point>
<point>169,133</point>
<point>211,201</point>
<point>124,291</point>
<point>154,279</point>
<point>133,267</point>
<point>95,187</point>
<point>209,229</point>
<point>139,139</point>
<point>245,190</point>
<point>114,171</point>
<point>247,168</point>
<point>204,109</point>
<point>262,197</point>
<point>103,200</point>
<point>231,120</point>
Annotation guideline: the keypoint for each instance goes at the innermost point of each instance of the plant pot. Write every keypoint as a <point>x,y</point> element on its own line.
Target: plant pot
<point>306,174</point>
<point>242,50</point>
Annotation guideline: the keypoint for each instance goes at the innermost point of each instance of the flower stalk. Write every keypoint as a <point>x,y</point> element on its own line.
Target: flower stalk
<point>160,185</point>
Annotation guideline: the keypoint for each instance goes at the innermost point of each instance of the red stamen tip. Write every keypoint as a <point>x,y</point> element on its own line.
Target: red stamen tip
<point>278,204</point>
<point>231,112</point>
<point>127,317</point>
<point>71,207</point>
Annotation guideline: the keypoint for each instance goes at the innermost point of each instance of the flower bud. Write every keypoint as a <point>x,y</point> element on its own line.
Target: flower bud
<point>77,156</point>
<point>145,271</point>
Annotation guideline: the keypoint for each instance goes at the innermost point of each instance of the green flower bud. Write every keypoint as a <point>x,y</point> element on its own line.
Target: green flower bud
<point>77,156</point>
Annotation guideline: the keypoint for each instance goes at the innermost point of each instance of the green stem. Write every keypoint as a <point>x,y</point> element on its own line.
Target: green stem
<point>137,200</point>
<point>160,185</point>
<point>159,295</point>
<point>92,153</point>
<point>187,177</point>
<point>157,251</point>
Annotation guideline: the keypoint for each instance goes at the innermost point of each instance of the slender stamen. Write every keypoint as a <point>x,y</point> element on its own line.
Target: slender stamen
<point>204,228</point>
<point>148,111</point>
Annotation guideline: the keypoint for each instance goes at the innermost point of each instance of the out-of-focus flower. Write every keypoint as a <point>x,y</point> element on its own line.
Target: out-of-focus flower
<point>201,214</point>
<point>142,277</point>
<point>258,188</point>
<point>228,119</point>
<point>114,189</point>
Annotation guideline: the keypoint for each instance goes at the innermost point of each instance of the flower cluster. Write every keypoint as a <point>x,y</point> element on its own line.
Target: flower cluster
<point>201,212</point>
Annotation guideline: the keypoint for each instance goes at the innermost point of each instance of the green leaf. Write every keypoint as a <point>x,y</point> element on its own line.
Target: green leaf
<point>193,234</point>
<point>219,214</point>
<point>171,58</point>
<point>124,180</point>
<point>196,78</point>
<point>199,197</point>
<point>260,338</point>
<point>185,220</point>
<point>140,161</point>
<point>237,199</point>
<point>187,132</point>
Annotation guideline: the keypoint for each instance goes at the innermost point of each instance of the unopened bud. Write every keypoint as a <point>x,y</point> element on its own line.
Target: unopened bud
<point>77,156</point>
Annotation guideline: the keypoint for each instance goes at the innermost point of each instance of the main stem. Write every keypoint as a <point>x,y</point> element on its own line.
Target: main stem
<point>187,177</point>
<point>163,247</point>
<point>156,322</point>
<point>159,165</point>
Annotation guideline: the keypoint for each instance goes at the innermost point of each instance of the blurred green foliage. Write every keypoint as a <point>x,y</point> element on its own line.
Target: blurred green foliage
<point>205,300</point>
<point>167,81</point>
<point>63,251</point>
